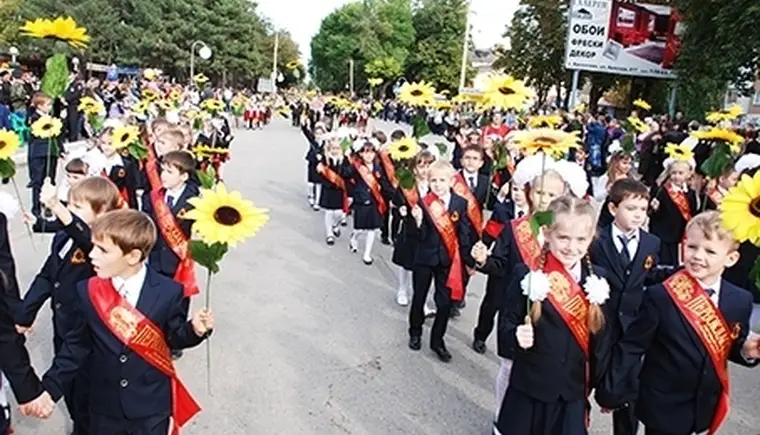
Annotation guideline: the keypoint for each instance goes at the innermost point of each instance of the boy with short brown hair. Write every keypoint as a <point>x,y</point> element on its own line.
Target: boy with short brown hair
<point>136,388</point>
<point>687,329</point>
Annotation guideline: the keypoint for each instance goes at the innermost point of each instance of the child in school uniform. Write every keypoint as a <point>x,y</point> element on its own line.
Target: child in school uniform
<point>672,208</point>
<point>406,244</point>
<point>67,265</point>
<point>630,256</point>
<point>687,330</point>
<point>135,388</point>
<point>42,153</point>
<point>334,195</point>
<point>391,218</point>
<point>371,192</point>
<point>315,139</point>
<point>167,207</point>
<point>716,190</point>
<point>119,167</point>
<point>554,326</point>
<point>445,239</point>
<point>75,170</point>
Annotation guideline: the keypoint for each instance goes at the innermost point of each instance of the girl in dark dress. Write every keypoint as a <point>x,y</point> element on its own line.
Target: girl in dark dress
<point>314,136</point>
<point>334,195</point>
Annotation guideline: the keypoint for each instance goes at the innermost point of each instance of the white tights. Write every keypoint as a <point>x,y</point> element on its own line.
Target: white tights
<point>404,280</point>
<point>332,220</point>
<point>315,192</point>
<point>371,234</point>
<point>502,382</point>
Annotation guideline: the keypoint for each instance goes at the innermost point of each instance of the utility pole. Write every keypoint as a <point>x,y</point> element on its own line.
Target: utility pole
<point>274,63</point>
<point>351,76</point>
<point>465,49</point>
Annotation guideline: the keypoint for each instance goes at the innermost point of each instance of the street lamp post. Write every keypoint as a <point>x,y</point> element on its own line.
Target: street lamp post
<point>274,61</point>
<point>14,53</point>
<point>351,77</point>
<point>465,48</point>
<point>204,52</point>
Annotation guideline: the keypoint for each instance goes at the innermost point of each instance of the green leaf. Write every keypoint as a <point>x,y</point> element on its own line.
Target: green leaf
<point>405,178</point>
<point>718,161</point>
<point>541,219</point>
<point>754,274</point>
<point>442,148</point>
<point>56,78</point>
<point>207,177</point>
<point>7,168</point>
<point>198,123</point>
<point>628,143</point>
<point>345,144</point>
<point>208,256</point>
<point>420,127</point>
<point>137,151</point>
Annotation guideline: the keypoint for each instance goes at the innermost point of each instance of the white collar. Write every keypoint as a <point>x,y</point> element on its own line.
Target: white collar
<point>714,286</point>
<point>469,175</point>
<point>131,287</point>
<point>684,188</point>
<point>445,198</point>
<point>175,193</point>
<point>617,232</point>
<point>575,272</point>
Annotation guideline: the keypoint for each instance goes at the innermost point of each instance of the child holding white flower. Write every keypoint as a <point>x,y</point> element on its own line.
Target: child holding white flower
<point>554,325</point>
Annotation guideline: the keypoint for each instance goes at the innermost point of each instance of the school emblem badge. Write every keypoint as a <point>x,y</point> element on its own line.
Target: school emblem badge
<point>78,257</point>
<point>736,330</point>
<point>122,173</point>
<point>181,213</point>
<point>649,262</point>
<point>454,216</point>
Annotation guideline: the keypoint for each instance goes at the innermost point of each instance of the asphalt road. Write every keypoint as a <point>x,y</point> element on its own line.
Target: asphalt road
<point>309,340</point>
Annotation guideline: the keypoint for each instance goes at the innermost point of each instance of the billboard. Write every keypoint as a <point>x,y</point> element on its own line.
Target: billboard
<point>615,37</point>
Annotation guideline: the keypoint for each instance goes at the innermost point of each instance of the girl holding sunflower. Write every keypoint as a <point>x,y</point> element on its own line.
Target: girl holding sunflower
<point>334,195</point>
<point>118,165</point>
<point>45,146</point>
<point>674,204</point>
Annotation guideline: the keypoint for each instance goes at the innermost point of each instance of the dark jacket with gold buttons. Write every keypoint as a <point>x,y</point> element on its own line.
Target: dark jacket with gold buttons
<point>58,277</point>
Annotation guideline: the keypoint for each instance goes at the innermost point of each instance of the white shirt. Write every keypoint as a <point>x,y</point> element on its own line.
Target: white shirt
<point>110,162</point>
<point>684,188</point>
<point>633,240</point>
<point>715,298</point>
<point>131,287</point>
<point>470,178</point>
<point>446,200</point>
<point>423,188</point>
<point>175,194</point>
<point>575,272</point>
<point>523,209</point>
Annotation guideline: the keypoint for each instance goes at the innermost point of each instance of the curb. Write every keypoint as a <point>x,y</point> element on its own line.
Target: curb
<point>77,148</point>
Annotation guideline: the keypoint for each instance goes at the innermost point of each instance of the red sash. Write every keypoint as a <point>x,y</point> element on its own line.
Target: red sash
<point>473,208</point>
<point>569,300</point>
<point>145,339</point>
<point>390,170</point>
<point>177,242</point>
<point>711,328</point>
<point>526,242</point>
<point>336,180</point>
<point>447,231</point>
<point>412,196</point>
<point>151,169</point>
<point>680,200</point>
<point>493,228</point>
<point>373,184</point>
<point>715,196</point>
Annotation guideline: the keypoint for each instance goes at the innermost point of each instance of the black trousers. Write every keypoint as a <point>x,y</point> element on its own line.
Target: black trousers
<point>489,306</point>
<point>422,276</point>
<point>103,425</point>
<point>39,169</point>
<point>624,421</point>
<point>72,124</point>
<point>76,395</point>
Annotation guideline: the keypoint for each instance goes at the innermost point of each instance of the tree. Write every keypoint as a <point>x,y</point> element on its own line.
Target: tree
<point>537,36</point>
<point>440,26</point>
<point>373,32</point>
<point>9,18</point>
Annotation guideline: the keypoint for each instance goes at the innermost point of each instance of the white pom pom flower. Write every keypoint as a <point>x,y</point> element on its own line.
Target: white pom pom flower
<point>597,290</point>
<point>536,286</point>
<point>9,206</point>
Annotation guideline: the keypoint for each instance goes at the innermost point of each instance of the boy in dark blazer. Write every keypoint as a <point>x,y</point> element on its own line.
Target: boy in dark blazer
<point>135,389</point>
<point>472,161</point>
<point>443,250</point>
<point>42,153</point>
<point>630,255</point>
<point>167,208</point>
<point>687,329</point>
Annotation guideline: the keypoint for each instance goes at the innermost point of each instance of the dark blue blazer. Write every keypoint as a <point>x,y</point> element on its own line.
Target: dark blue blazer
<point>7,263</point>
<point>667,223</point>
<point>679,388</point>
<point>127,177</point>
<point>626,284</point>
<point>162,259</point>
<point>361,193</point>
<point>481,189</point>
<point>554,369</point>
<point>431,251</point>
<point>123,385</point>
<point>58,278</point>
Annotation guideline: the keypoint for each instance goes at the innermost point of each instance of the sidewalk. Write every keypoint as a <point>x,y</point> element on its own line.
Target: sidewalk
<point>74,147</point>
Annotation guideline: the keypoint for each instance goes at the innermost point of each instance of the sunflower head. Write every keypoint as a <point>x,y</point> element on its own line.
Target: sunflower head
<point>545,121</point>
<point>403,149</point>
<point>123,137</point>
<point>505,92</point>
<point>141,107</point>
<point>212,105</point>
<point>47,127</point>
<point>61,29</point>
<point>679,152</point>
<point>416,94</point>
<point>200,78</point>
<point>9,143</point>
<point>729,114</point>
<point>149,95</point>
<point>740,209</point>
<point>715,134</point>
<point>550,142</point>
<point>89,106</point>
<point>225,217</point>
<point>642,104</point>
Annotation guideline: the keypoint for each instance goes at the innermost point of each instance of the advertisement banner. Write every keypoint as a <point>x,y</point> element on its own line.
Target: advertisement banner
<point>616,37</point>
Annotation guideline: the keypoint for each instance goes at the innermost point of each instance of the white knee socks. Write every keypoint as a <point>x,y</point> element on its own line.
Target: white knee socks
<point>404,280</point>
<point>371,234</point>
<point>332,220</point>
<point>502,382</point>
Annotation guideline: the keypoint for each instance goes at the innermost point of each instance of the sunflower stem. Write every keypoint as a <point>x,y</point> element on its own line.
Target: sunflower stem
<point>23,210</point>
<point>207,295</point>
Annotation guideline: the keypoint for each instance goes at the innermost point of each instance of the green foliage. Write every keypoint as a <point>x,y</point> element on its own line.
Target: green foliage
<point>56,76</point>
<point>405,177</point>
<point>207,177</point>
<point>442,148</point>
<point>7,168</point>
<point>719,160</point>
<point>420,127</point>
<point>208,256</point>
<point>754,274</point>
<point>541,219</point>
<point>387,68</point>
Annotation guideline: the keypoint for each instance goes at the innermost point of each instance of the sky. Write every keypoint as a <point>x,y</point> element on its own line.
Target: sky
<point>303,17</point>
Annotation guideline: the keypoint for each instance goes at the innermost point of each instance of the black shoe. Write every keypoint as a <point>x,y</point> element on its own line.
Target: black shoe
<point>455,312</point>
<point>344,223</point>
<point>385,241</point>
<point>415,343</point>
<point>461,304</point>
<point>479,346</point>
<point>29,185</point>
<point>367,262</point>
<point>330,241</point>
<point>336,231</point>
<point>442,353</point>
<point>176,354</point>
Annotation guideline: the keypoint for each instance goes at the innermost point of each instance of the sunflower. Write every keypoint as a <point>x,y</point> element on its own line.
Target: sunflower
<point>729,114</point>
<point>212,105</point>
<point>149,95</point>
<point>9,143</point>
<point>293,64</point>
<point>740,209</point>
<point>642,104</point>
<point>191,114</point>
<point>150,74</point>
<point>416,94</point>
<point>679,152</point>
<point>141,107</point>
<point>200,78</point>
<point>203,151</point>
<point>547,140</point>
<point>175,94</point>
<point>225,217</point>
<point>47,127</point>
<point>125,136</point>
<point>165,105</point>
<point>62,29</point>
<point>541,121</point>
<point>89,106</point>
<point>734,140</point>
<point>402,149</point>
<point>503,91</point>
<point>442,105</point>
<point>638,124</point>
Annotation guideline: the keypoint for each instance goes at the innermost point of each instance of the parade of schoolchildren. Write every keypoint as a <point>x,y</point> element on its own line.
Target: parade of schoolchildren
<point>601,266</point>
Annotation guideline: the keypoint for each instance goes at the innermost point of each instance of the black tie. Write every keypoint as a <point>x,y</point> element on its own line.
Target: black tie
<point>472,183</point>
<point>710,292</point>
<point>625,254</point>
<point>520,214</point>
<point>170,201</point>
